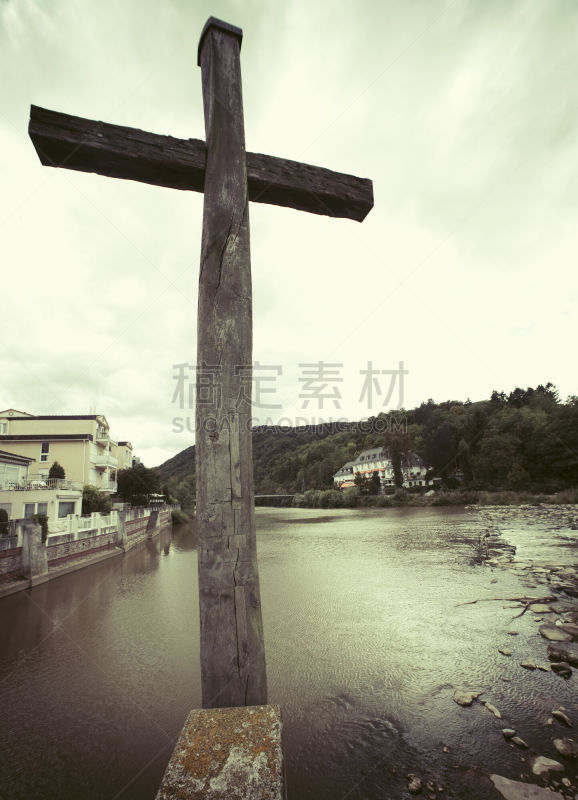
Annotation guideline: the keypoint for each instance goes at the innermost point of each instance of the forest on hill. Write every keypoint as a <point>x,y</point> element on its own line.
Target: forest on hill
<point>526,440</point>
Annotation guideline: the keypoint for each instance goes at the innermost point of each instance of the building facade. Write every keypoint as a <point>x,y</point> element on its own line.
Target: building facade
<point>81,444</point>
<point>23,495</point>
<point>378,459</point>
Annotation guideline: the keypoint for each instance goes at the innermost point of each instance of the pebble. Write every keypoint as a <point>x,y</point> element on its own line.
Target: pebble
<point>512,633</point>
<point>505,651</point>
<point>528,665</point>
<point>561,717</point>
<point>566,747</point>
<point>508,732</point>
<point>519,742</point>
<point>415,785</point>
<point>492,708</point>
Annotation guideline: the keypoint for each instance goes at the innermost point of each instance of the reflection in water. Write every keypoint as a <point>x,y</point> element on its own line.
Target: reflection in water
<point>365,642</point>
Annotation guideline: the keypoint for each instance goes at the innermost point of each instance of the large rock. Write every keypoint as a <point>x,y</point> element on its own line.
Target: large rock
<point>554,633</point>
<point>543,765</point>
<point>566,747</point>
<point>567,651</point>
<point>465,697</point>
<point>516,790</point>
<point>571,628</point>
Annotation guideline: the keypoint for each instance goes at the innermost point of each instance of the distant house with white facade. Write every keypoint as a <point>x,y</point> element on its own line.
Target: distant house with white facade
<point>82,444</point>
<point>378,459</point>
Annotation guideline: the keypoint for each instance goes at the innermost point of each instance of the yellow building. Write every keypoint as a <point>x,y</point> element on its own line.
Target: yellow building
<point>22,495</point>
<point>124,456</point>
<point>81,444</point>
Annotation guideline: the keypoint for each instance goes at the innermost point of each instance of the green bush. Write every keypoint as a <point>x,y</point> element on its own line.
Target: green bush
<point>94,501</point>
<point>179,517</point>
<point>4,527</point>
<point>42,520</point>
<point>57,471</point>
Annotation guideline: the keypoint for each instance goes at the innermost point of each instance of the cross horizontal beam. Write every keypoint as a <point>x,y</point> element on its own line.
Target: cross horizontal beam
<point>116,151</point>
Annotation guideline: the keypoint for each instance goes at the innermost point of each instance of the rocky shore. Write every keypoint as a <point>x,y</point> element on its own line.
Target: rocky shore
<point>551,605</point>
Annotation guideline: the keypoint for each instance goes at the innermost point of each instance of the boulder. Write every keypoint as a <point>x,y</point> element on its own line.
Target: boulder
<point>465,697</point>
<point>543,766</point>
<point>516,790</point>
<point>554,633</point>
<point>567,651</point>
<point>562,668</point>
<point>566,747</point>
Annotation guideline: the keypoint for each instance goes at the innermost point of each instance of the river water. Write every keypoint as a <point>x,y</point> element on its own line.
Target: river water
<point>365,640</point>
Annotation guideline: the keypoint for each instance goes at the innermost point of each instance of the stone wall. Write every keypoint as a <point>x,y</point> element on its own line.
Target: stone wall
<point>11,562</point>
<point>66,551</point>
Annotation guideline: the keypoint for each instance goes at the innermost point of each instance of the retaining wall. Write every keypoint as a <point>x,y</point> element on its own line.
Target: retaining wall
<point>25,560</point>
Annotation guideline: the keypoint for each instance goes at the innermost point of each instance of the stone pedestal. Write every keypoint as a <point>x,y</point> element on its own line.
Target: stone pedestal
<point>34,560</point>
<point>232,753</point>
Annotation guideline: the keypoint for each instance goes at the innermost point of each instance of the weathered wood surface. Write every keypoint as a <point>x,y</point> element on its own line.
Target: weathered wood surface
<point>62,140</point>
<point>232,651</point>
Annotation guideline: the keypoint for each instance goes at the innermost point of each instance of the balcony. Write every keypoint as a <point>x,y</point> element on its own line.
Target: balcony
<point>103,460</point>
<point>34,483</point>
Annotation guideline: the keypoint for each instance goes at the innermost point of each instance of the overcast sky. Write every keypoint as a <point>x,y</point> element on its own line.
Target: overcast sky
<point>464,114</point>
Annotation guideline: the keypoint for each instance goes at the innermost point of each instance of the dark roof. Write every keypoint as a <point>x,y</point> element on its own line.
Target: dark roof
<point>42,437</point>
<point>372,454</point>
<point>123,444</point>
<point>63,416</point>
<point>14,458</point>
<point>342,470</point>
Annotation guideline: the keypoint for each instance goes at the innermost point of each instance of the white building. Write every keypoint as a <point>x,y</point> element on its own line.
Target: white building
<point>378,459</point>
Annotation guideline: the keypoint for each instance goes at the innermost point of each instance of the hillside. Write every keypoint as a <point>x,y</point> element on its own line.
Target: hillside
<point>525,440</point>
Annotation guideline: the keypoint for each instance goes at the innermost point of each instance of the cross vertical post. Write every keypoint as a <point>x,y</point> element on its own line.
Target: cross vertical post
<point>232,650</point>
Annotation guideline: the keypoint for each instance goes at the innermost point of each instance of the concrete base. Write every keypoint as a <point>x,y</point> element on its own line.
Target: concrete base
<point>232,753</point>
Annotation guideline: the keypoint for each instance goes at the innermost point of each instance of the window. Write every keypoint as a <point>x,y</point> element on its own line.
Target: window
<point>30,509</point>
<point>7,507</point>
<point>44,450</point>
<point>65,508</point>
<point>3,427</point>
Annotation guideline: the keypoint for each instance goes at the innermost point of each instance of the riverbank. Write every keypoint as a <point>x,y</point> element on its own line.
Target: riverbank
<point>538,546</point>
<point>28,560</point>
<point>352,498</point>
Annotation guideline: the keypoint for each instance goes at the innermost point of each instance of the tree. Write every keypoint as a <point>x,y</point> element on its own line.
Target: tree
<point>375,484</point>
<point>57,471</point>
<point>137,482</point>
<point>464,460</point>
<point>94,501</point>
<point>361,482</point>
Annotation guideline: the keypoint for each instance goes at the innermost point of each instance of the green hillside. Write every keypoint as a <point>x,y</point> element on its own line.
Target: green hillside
<point>525,440</point>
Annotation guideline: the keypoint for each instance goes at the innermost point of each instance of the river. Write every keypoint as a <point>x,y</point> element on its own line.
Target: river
<point>365,642</point>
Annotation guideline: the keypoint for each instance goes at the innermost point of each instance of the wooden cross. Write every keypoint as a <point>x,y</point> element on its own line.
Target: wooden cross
<point>232,651</point>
